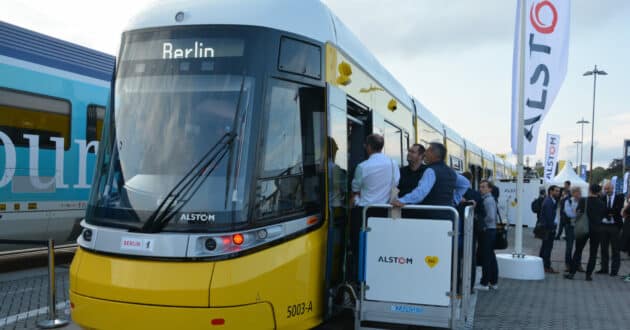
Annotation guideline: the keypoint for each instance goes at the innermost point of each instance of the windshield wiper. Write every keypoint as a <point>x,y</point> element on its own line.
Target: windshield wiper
<point>238,126</point>
<point>185,189</point>
<point>179,195</point>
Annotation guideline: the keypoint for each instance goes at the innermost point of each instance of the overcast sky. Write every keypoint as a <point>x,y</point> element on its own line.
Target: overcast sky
<point>455,56</point>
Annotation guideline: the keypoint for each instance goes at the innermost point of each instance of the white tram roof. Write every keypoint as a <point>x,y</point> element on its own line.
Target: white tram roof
<point>428,117</point>
<point>473,148</point>
<point>452,135</point>
<point>308,18</point>
<point>488,155</point>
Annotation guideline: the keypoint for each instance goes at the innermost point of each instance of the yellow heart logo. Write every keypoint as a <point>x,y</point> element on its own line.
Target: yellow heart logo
<point>431,261</point>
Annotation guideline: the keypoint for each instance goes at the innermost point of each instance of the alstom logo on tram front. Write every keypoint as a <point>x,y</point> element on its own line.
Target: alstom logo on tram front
<point>395,260</point>
<point>197,217</point>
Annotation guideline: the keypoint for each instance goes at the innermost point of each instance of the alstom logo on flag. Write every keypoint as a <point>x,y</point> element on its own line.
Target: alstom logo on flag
<point>551,156</point>
<point>546,42</point>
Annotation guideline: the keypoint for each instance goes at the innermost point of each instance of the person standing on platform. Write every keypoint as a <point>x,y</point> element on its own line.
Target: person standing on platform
<point>610,230</point>
<point>438,183</point>
<point>549,218</point>
<point>595,211</point>
<point>373,181</point>
<point>565,195</point>
<point>570,214</point>
<point>625,238</point>
<point>490,270</point>
<point>471,198</point>
<point>410,175</point>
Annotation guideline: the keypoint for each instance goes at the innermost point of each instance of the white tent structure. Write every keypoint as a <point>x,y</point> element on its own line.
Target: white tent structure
<point>569,174</point>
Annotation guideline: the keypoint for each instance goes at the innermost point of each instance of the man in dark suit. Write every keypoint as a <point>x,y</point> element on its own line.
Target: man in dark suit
<point>549,218</point>
<point>610,229</point>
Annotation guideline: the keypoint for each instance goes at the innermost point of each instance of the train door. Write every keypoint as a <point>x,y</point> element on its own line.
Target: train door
<point>348,125</point>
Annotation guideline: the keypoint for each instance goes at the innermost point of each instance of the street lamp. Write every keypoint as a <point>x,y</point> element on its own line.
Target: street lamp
<point>581,122</point>
<point>594,73</point>
<point>577,152</point>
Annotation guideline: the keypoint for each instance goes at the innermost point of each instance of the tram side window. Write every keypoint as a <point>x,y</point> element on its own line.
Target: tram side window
<point>393,142</point>
<point>300,58</point>
<point>33,114</point>
<point>288,181</point>
<point>94,125</point>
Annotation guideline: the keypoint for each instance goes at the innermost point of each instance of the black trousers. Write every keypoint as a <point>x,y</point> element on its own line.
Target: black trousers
<point>580,243</point>
<point>609,236</point>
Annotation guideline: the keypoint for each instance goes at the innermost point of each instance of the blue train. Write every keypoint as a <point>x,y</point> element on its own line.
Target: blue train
<point>52,105</point>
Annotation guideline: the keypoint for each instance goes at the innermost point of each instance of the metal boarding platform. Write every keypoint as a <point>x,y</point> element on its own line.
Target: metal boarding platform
<point>409,269</point>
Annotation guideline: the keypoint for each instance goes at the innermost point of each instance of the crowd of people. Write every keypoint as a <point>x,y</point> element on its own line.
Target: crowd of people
<point>426,180</point>
<point>601,219</point>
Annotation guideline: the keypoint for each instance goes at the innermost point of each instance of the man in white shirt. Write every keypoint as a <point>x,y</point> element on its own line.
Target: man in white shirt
<point>374,177</point>
<point>373,181</point>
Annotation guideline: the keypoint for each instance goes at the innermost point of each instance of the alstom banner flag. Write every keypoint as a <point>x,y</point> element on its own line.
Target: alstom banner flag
<point>551,156</point>
<point>546,42</point>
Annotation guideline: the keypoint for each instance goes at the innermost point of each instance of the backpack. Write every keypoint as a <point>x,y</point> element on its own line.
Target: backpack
<point>495,193</point>
<point>537,205</point>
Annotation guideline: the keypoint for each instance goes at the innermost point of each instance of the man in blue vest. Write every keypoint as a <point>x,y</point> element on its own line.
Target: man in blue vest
<point>439,185</point>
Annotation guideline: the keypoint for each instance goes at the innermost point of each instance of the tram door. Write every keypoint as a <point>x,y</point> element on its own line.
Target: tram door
<point>347,129</point>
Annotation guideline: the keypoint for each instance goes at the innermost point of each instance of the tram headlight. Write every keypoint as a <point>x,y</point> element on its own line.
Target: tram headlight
<point>210,244</point>
<point>87,235</point>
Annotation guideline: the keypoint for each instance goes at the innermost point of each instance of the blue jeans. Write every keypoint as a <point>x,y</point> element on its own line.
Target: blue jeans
<point>489,268</point>
<point>569,231</point>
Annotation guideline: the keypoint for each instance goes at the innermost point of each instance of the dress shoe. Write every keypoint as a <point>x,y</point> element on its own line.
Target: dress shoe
<point>601,271</point>
<point>550,271</point>
<point>589,278</point>
<point>568,276</point>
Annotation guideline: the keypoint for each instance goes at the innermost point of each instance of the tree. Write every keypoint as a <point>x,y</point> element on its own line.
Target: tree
<point>614,168</point>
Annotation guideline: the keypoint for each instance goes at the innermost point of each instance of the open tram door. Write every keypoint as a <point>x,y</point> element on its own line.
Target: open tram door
<point>348,125</point>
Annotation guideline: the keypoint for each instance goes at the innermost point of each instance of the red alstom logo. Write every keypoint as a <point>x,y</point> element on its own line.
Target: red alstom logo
<point>537,23</point>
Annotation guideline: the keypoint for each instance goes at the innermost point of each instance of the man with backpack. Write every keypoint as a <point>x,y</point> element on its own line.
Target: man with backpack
<point>537,204</point>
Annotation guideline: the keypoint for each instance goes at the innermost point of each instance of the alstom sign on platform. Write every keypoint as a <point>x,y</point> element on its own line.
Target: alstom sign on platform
<point>546,42</point>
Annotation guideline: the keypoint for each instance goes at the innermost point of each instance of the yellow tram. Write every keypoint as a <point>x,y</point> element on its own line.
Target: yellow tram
<point>221,187</point>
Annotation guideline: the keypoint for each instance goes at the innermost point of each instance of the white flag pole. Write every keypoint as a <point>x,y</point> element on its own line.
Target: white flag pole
<point>518,233</point>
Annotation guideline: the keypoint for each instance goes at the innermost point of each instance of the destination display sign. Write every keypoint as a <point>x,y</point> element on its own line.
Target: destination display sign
<point>189,48</point>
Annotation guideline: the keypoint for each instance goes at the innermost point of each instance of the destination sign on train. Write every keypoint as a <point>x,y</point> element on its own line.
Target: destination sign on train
<point>201,48</point>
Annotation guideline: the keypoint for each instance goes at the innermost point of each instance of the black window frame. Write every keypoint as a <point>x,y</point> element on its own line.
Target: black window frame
<point>18,141</point>
<point>305,208</point>
<point>285,40</point>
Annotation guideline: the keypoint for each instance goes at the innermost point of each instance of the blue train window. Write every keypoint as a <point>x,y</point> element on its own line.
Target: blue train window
<point>26,116</point>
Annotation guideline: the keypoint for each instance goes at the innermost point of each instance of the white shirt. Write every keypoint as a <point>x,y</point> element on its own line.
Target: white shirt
<point>373,179</point>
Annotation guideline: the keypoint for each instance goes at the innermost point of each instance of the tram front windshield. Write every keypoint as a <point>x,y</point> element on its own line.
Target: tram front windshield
<point>176,94</point>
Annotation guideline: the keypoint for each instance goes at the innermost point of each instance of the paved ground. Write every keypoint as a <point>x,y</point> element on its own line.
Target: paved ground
<point>24,297</point>
<point>556,303</point>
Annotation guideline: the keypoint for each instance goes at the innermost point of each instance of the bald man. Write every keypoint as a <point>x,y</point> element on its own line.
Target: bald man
<point>610,229</point>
